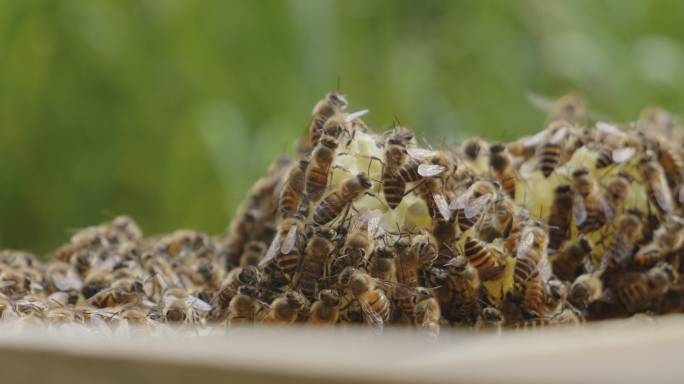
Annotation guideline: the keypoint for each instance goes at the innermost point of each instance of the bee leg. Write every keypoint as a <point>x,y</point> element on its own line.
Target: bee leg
<point>373,195</point>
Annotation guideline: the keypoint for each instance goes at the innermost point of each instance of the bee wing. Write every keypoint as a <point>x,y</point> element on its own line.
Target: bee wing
<point>579,212</point>
<point>431,170</point>
<point>374,222</point>
<point>198,303</point>
<point>623,250</point>
<point>392,286</point>
<point>163,328</point>
<point>462,201</point>
<point>38,304</point>
<point>620,155</point>
<point>681,194</point>
<point>662,193</point>
<point>353,116</point>
<point>609,129</point>
<point>362,218</point>
<point>536,139</point>
<point>290,240</point>
<point>428,313</point>
<point>271,253</point>
<point>559,135</point>
<point>442,205</point>
<point>477,205</point>
<point>420,153</point>
<point>9,318</point>
<point>544,267</point>
<point>603,205</point>
<point>372,318</point>
<point>166,300</point>
<point>149,303</point>
<point>111,262</point>
<point>122,331</point>
<point>525,246</point>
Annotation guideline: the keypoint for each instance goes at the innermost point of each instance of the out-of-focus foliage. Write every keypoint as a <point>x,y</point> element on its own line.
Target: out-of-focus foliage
<point>168,110</point>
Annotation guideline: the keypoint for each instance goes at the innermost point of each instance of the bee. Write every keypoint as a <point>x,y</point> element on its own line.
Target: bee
<point>572,256</point>
<point>346,192</point>
<point>667,238</point>
<point>586,289</point>
<point>208,273</point>
<point>284,310</point>
<point>501,162</point>
<point>617,189</point>
<point>471,203</point>
<point>571,107</point>
<point>620,249</point>
<point>253,254</point>
<point>316,175</point>
<point>326,309</point>
<point>489,267</point>
<point>242,308</point>
<point>359,243</point>
<point>393,184</point>
<point>135,321</point>
<point>124,290</point>
<point>618,147</point>
<point>284,248</point>
<point>406,272</point>
<point>531,254</point>
<point>490,318</point>
<point>70,283</point>
<point>638,291</point>
<point>559,218</point>
<point>658,190</point>
<point>180,307</point>
<point>370,295</point>
<point>320,246</point>
<point>672,162</point>
<point>293,189</point>
<point>237,277</point>
<point>588,201</point>
<point>333,104</point>
<point>383,263</point>
<point>549,143</point>
<point>445,235</point>
<point>500,220</point>
<point>473,147</point>
<point>464,283</point>
<point>427,314</point>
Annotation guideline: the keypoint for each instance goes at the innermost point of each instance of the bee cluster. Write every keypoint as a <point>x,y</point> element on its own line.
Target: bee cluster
<point>579,222</point>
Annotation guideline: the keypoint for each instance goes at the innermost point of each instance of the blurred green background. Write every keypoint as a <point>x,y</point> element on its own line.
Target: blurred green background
<point>169,110</point>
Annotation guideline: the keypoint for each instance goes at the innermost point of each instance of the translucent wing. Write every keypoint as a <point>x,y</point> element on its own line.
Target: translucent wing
<point>477,205</point>
<point>462,201</point>
<point>428,314</point>
<point>271,253</point>
<point>100,325</point>
<point>290,240</point>
<point>544,267</point>
<point>662,193</point>
<point>536,139</point>
<point>71,280</point>
<point>541,102</point>
<point>149,303</point>
<point>442,205</point>
<point>609,129</point>
<point>623,249</point>
<point>38,304</point>
<point>431,170</point>
<point>393,287</point>
<point>420,153</point>
<point>122,332</point>
<point>374,222</point>
<point>681,194</point>
<point>525,245</point>
<point>361,219</point>
<point>579,212</point>
<point>372,318</point>
<point>111,262</point>
<point>604,206</point>
<point>74,278</point>
<point>559,135</point>
<point>198,303</point>
<point>620,155</point>
<point>165,329</point>
<point>352,116</point>
<point>9,318</point>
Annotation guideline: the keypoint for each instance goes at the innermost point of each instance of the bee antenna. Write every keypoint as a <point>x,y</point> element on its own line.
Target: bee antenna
<point>151,276</point>
<point>398,122</point>
<point>58,302</point>
<point>470,179</point>
<point>502,133</point>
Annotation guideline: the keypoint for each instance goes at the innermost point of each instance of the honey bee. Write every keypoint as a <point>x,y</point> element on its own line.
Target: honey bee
<point>359,243</point>
<point>333,104</point>
<point>617,189</point>
<point>559,218</point>
<point>316,176</point>
<point>427,314</point>
<point>326,309</point>
<point>284,310</point>
<point>672,162</point>
<point>465,285</point>
<point>501,162</point>
<point>406,272</point>
<point>618,146</point>
<point>620,249</point>
<point>375,306</point>
<point>473,147</point>
<point>208,273</point>
<point>586,289</point>
<point>180,307</point>
<point>293,189</point>
<point>284,248</point>
<point>638,291</point>
<point>667,238</point>
<point>320,246</point>
<point>500,220</point>
<point>490,318</point>
<point>124,290</point>
<point>346,192</point>
<point>383,263</point>
<point>531,254</point>
<point>134,321</point>
<point>572,256</point>
<point>471,203</point>
<point>489,267</point>
<point>588,201</point>
<point>237,277</point>
<point>549,143</point>
<point>393,184</point>
<point>253,254</point>
<point>658,190</point>
<point>242,308</point>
